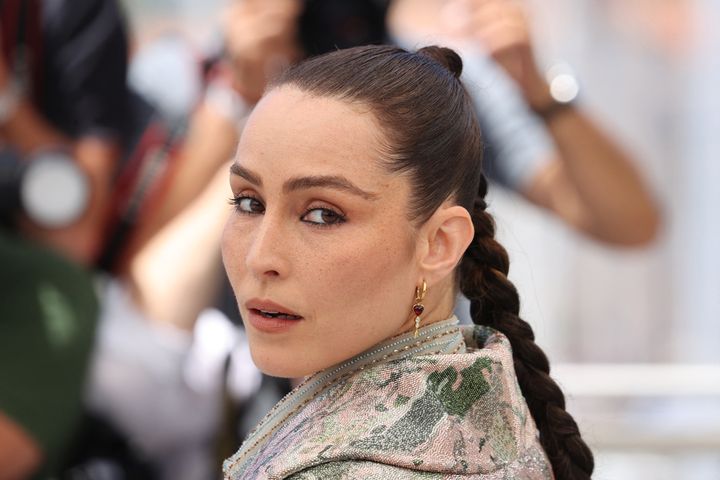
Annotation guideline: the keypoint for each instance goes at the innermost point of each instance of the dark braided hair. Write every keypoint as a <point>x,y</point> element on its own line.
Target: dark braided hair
<point>494,302</point>
<point>431,134</point>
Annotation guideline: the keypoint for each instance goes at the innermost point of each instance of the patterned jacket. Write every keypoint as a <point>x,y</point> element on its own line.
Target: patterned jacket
<point>444,405</point>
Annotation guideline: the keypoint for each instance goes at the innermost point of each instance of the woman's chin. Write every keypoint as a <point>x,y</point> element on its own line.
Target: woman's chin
<point>274,367</point>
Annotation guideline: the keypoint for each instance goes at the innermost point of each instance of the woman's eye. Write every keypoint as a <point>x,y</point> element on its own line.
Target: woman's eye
<point>323,216</point>
<point>248,205</point>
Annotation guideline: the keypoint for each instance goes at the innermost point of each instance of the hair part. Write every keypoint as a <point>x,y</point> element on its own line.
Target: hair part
<point>432,135</point>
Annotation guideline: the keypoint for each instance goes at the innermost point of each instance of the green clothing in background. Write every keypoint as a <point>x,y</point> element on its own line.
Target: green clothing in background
<point>48,313</point>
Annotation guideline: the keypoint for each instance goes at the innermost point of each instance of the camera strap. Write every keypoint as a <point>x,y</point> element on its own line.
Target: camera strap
<point>140,185</point>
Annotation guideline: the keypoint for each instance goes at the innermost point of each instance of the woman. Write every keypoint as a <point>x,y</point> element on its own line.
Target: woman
<point>360,215</point>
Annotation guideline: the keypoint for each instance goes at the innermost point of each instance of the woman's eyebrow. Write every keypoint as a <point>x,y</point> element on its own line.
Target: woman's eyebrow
<point>301,183</point>
<point>248,175</point>
<point>327,181</point>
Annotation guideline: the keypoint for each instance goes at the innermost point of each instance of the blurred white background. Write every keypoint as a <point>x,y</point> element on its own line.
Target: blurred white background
<point>648,321</point>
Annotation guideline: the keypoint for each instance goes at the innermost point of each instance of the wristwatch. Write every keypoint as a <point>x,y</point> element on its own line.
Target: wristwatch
<point>564,86</point>
<point>564,89</point>
<point>54,191</point>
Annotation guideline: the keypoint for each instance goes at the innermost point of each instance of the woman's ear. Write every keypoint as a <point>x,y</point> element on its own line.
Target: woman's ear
<point>445,237</point>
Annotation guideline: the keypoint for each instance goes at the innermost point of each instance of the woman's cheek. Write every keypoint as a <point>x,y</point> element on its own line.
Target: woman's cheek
<point>232,247</point>
<point>368,267</point>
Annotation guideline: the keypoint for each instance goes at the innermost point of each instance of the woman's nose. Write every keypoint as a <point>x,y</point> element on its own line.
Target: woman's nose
<point>266,254</point>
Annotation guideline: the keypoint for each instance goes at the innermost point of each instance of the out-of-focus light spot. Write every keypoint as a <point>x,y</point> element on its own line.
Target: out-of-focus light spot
<point>564,88</point>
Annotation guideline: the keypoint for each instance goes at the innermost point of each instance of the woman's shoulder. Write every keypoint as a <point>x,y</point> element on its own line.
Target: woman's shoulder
<point>465,407</point>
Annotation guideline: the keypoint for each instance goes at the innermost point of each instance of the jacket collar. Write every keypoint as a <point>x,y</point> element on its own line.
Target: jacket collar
<point>445,402</point>
<point>439,337</point>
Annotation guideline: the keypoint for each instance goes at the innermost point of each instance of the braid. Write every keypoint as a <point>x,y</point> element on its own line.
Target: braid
<point>494,302</point>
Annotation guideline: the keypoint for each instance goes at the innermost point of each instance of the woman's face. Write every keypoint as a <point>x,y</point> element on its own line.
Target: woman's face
<point>320,252</point>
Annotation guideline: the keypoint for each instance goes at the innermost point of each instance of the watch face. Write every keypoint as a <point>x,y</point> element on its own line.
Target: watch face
<point>564,86</point>
<point>54,191</point>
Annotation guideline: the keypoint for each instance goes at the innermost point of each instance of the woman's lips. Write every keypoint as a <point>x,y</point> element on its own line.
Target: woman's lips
<point>270,317</point>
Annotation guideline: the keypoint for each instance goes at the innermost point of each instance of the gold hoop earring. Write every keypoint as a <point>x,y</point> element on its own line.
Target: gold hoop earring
<point>419,308</point>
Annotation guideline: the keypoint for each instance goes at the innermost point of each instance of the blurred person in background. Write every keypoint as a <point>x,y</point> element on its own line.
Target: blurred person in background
<point>49,305</point>
<point>96,173</point>
<point>48,315</point>
<point>541,144</point>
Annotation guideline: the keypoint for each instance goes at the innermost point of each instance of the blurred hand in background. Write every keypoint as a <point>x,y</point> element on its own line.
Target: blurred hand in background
<point>261,39</point>
<point>502,28</point>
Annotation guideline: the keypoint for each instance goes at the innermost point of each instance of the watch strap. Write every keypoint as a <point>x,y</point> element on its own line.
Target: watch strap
<point>552,109</point>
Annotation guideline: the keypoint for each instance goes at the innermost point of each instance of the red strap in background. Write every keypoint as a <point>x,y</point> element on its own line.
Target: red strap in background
<point>21,27</point>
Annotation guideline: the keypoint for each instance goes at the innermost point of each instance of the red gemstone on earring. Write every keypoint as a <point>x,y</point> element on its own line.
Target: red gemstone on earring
<point>418,309</point>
